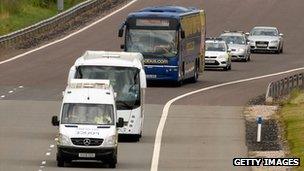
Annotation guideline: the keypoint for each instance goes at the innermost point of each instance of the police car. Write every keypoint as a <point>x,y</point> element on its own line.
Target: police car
<point>217,54</point>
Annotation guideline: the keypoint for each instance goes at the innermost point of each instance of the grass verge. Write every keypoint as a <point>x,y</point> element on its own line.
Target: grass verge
<point>292,119</point>
<point>17,14</point>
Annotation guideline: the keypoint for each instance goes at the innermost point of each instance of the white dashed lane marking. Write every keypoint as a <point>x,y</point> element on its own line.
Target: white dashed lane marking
<point>14,90</point>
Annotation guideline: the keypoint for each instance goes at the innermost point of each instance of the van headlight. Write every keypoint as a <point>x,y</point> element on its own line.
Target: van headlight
<point>64,140</point>
<point>110,141</point>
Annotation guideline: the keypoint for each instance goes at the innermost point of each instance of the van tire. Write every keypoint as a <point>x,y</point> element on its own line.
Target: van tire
<point>60,162</point>
<point>112,165</point>
<point>113,161</point>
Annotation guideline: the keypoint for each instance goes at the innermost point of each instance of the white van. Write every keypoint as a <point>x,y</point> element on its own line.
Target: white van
<point>88,123</point>
<point>127,76</point>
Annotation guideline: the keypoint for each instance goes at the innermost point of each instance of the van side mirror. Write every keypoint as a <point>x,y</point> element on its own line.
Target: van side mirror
<point>55,121</point>
<point>120,123</point>
<point>143,79</point>
<point>72,73</point>
<point>120,32</point>
<point>183,34</point>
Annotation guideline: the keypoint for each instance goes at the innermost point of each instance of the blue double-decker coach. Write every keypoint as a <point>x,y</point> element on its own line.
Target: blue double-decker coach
<point>171,39</point>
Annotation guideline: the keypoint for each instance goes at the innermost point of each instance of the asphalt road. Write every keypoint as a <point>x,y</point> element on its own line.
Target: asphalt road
<point>203,132</point>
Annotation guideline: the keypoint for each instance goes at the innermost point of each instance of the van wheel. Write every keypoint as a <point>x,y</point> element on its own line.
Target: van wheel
<point>113,161</point>
<point>60,162</point>
<point>136,138</point>
<point>112,165</point>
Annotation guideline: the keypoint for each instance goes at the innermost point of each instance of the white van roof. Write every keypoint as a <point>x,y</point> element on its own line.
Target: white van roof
<point>89,91</point>
<point>111,58</point>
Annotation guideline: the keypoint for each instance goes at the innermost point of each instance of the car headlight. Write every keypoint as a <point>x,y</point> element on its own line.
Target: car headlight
<point>274,41</point>
<point>110,141</point>
<point>222,56</point>
<point>241,50</point>
<point>64,140</point>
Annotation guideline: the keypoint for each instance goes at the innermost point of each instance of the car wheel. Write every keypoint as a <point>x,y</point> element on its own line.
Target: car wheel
<point>226,68</point>
<point>281,51</point>
<point>249,57</point>
<point>230,67</point>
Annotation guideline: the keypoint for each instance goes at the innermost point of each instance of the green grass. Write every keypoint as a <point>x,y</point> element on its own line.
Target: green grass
<point>17,14</point>
<point>292,118</point>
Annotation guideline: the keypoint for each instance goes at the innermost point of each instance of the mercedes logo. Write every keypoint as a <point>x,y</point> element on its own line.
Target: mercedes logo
<point>86,142</point>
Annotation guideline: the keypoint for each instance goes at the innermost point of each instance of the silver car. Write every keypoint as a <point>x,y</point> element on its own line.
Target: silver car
<point>238,45</point>
<point>266,39</point>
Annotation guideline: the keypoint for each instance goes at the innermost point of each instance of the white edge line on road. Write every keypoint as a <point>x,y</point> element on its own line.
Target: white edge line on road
<point>70,35</point>
<point>161,125</point>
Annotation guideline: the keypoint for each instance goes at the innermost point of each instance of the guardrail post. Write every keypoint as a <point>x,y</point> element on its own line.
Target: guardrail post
<point>60,5</point>
<point>297,79</point>
<point>302,76</point>
<point>259,121</point>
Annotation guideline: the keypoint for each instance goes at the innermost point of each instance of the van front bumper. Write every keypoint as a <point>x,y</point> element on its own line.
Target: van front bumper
<point>72,153</point>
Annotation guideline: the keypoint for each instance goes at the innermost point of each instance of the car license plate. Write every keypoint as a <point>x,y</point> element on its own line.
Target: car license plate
<point>209,62</point>
<point>151,76</point>
<point>86,155</point>
<point>262,45</point>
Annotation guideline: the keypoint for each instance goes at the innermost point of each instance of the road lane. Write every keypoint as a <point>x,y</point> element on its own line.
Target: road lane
<point>207,138</point>
<point>44,75</point>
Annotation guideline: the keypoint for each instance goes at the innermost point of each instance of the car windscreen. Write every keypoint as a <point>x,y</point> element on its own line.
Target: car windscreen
<point>234,39</point>
<point>215,46</point>
<point>264,32</point>
<point>90,114</point>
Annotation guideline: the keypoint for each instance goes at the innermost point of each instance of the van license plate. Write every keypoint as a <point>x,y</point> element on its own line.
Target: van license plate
<point>86,155</point>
